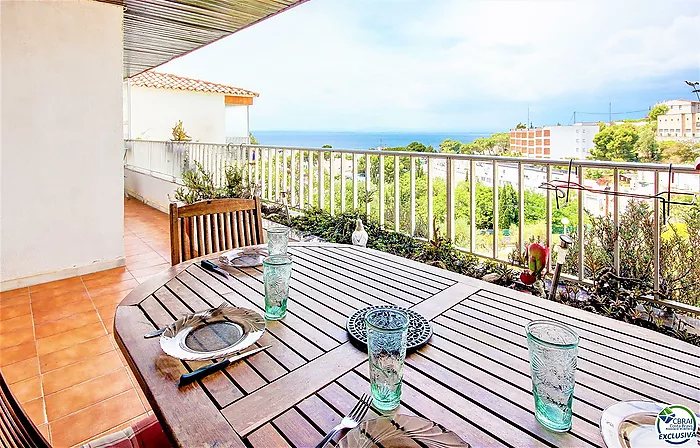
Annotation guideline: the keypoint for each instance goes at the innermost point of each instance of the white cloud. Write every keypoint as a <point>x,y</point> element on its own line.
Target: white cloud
<point>358,64</point>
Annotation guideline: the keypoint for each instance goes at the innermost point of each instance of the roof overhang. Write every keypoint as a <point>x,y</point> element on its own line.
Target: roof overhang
<point>157,31</point>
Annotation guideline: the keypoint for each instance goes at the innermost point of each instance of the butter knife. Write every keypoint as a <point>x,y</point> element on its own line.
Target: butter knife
<point>200,373</point>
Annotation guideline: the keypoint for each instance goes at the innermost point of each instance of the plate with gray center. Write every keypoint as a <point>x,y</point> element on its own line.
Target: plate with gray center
<point>247,257</point>
<point>632,424</point>
<point>212,334</point>
<point>405,431</point>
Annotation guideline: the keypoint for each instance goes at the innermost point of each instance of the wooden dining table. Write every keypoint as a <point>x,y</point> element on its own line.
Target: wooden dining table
<point>473,376</point>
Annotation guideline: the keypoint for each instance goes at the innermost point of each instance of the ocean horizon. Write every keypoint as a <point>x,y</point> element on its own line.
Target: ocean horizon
<point>360,140</point>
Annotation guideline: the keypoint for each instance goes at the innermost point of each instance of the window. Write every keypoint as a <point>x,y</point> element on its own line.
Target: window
<point>583,131</point>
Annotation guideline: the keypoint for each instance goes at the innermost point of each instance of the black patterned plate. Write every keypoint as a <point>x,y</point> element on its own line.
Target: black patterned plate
<point>401,431</point>
<point>419,329</point>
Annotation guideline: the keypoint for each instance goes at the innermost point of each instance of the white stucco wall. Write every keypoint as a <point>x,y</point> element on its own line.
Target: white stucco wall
<point>571,141</point>
<point>61,175</point>
<point>154,112</point>
<point>155,191</point>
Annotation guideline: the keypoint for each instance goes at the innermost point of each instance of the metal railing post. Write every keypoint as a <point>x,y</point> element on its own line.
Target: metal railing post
<point>397,192</point>
<point>616,222</point>
<point>331,187</point>
<point>368,185</point>
<point>496,229</point>
<point>472,206</point>
<point>381,190</point>
<point>521,207</point>
<point>354,181</point>
<point>310,179</point>
<point>302,196</point>
<point>449,180</point>
<point>413,195</point>
<point>321,180</point>
<point>431,230</point>
<point>343,193</point>
<point>581,226</point>
<point>277,175</point>
<point>657,238</point>
<point>292,179</point>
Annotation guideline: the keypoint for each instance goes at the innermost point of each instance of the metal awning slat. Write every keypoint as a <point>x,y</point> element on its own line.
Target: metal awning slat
<point>156,31</point>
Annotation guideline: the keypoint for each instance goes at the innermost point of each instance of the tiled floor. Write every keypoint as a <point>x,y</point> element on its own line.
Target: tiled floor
<point>56,345</point>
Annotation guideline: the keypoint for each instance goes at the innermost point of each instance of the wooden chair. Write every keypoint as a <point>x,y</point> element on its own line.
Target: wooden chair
<point>16,429</point>
<point>214,225</point>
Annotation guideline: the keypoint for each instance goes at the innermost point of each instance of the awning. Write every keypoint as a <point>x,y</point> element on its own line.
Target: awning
<point>156,31</point>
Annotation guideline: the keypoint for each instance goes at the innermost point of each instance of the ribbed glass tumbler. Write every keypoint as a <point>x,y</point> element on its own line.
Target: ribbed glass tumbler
<point>277,240</point>
<point>277,271</point>
<point>553,349</point>
<point>386,346</point>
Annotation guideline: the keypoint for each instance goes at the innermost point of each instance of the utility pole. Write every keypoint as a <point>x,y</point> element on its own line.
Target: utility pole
<point>527,123</point>
<point>574,117</point>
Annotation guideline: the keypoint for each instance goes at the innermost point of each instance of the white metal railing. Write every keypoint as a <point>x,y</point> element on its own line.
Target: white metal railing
<point>310,177</point>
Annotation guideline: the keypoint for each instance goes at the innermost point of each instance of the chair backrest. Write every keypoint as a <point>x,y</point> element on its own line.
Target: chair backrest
<point>16,429</point>
<point>214,225</point>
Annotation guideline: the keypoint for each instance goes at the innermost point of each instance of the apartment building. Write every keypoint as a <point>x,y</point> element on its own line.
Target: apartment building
<point>681,122</point>
<point>555,142</point>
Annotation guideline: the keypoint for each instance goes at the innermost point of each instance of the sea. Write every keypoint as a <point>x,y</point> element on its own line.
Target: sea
<point>360,140</point>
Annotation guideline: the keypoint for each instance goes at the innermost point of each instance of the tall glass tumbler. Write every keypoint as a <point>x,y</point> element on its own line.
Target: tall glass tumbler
<point>277,271</point>
<point>277,239</point>
<point>553,349</point>
<point>386,346</point>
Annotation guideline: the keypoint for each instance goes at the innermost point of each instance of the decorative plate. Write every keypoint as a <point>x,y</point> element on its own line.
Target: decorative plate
<point>213,333</point>
<point>631,424</point>
<point>401,431</point>
<point>247,257</point>
<point>419,329</point>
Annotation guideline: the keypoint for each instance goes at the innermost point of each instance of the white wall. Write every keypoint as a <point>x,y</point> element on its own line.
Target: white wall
<point>571,141</point>
<point>154,191</point>
<point>154,112</point>
<point>236,121</point>
<point>61,176</point>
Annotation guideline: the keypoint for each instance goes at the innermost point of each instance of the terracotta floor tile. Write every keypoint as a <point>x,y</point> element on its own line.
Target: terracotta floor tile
<point>27,390</point>
<point>66,324</point>
<point>14,300</point>
<point>86,394</point>
<point>10,312</point>
<point>65,283</point>
<point>76,353</point>
<point>158,260</point>
<point>62,312</point>
<point>16,338</point>
<point>13,293</point>
<point>77,373</point>
<point>111,299</point>
<point>35,411</point>
<point>141,257</point>
<point>21,370</point>
<point>107,312</point>
<point>44,429</point>
<point>69,338</point>
<point>17,353</point>
<point>16,323</point>
<point>46,303</point>
<point>117,428</point>
<point>114,287</point>
<point>96,419</point>
<point>115,272</point>
<point>150,270</point>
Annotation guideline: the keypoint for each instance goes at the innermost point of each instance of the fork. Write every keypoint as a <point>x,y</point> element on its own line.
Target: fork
<point>351,420</point>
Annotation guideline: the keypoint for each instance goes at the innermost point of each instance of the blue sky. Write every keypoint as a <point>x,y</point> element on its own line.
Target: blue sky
<point>455,65</point>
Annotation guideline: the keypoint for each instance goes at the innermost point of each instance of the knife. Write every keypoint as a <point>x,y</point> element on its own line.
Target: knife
<point>188,378</point>
<point>209,266</point>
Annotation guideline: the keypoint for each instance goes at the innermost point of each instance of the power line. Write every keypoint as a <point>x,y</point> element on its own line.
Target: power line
<point>613,113</point>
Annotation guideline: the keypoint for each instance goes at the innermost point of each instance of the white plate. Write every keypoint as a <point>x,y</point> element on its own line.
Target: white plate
<point>631,424</point>
<point>247,257</point>
<point>212,334</point>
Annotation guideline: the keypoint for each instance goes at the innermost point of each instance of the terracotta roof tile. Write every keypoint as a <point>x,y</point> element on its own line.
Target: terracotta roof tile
<point>167,81</point>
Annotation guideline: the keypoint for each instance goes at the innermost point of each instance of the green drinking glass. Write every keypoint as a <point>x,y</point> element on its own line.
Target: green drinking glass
<point>386,346</point>
<point>553,350</point>
<point>277,240</point>
<point>277,270</point>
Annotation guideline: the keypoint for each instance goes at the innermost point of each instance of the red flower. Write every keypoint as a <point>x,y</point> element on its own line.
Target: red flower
<point>527,278</point>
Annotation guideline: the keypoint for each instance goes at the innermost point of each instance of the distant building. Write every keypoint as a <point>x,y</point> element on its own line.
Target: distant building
<point>210,113</point>
<point>555,142</point>
<point>681,122</point>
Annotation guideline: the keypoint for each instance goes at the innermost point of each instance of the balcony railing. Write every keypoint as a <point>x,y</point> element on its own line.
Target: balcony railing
<point>331,179</point>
